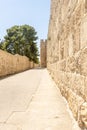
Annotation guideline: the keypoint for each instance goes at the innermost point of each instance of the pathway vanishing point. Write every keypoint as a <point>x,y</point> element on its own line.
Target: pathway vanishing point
<point>31,101</point>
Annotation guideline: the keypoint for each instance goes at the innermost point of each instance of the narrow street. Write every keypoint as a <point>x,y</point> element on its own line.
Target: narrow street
<point>31,101</point>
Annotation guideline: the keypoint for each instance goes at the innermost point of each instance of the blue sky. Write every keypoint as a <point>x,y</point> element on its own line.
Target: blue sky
<point>18,12</point>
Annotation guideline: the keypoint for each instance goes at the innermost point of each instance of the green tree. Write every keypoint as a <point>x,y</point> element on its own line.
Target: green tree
<point>22,40</point>
<point>2,45</point>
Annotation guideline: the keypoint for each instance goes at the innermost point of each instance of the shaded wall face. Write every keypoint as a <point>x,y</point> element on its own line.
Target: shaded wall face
<point>67,52</point>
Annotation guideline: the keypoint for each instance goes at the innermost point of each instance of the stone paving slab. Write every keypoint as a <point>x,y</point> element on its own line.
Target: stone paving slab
<point>9,127</point>
<point>16,92</point>
<point>47,110</point>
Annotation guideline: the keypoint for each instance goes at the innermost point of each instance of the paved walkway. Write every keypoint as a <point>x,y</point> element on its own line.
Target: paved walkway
<point>31,101</point>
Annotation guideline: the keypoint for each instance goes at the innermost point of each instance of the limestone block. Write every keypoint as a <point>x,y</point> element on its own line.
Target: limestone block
<point>17,63</point>
<point>67,79</point>
<point>84,69</point>
<point>3,63</point>
<point>63,77</point>
<point>1,66</point>
<point>14,63</point>
<point>70,39</point>
<point>61,65</point>
<point>43,53</point>
<point>74,102</point>
<point>78,62</point>
<point>10,64</point>
<point>71,64</point>
<point>77,85</point>
<point>83,55</point>
<point>83,115</point>
<point>31,64</point>
<point>85,88</point>
<point>57,76</point>
<point>64,90</point>
<point>36,65</point>
<point>82,60</point>
<point>26,62</point>
<point>83,29</point>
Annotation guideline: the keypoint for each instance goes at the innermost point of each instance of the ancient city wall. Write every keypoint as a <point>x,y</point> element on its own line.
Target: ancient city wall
<point>43,53</point>
<point>67,53</point>
<point>10,64</point>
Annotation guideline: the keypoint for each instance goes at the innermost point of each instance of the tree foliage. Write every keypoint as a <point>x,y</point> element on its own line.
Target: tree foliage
<point>21,40</point>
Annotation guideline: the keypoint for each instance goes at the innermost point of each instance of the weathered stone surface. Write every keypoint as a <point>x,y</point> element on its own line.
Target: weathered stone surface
<point>43,53</point>
<point>83,115</point>
<point>77,85</point>
<point>83,32</point>
<point>10,64</point>
<point>71,64</point>
<point>67,51</point>
<point>62,65</point>
<point>31,64</point>
<point>74,102</point>
<point>85,87</point>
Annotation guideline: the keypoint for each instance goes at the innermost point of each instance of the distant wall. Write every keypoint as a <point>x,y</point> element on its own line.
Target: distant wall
<point>43,53</point>
<point>10,64</point>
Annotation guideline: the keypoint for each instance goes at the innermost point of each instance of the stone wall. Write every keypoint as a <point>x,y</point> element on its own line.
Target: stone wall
<point>10,64</point>
<point>43,53</point>
<point>67,53</point>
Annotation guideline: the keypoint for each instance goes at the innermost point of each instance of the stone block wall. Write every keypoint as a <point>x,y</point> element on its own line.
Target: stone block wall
<point>10,64</point>
<point>67,53</point>
<point>43,53</point>
<point>31,64</point>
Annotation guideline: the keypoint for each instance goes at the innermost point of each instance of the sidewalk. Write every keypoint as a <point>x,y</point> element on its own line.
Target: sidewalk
<point>46,111</point>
